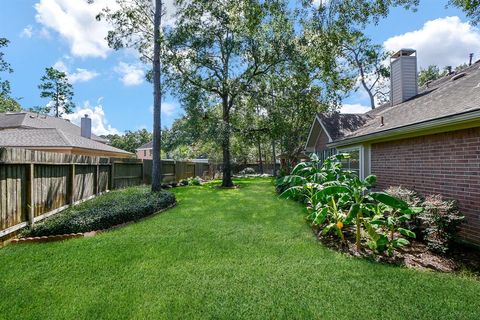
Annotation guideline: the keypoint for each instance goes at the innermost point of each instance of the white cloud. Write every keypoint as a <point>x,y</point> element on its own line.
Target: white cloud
<point>168,108</point>
<point>131,74</point>
<point>442,42</point>
<point>30,32</point>
<point>27,32</point>
<point>80,75</point>
<point>354,108</point>
<point>100,124</point>
<point>75,22</point>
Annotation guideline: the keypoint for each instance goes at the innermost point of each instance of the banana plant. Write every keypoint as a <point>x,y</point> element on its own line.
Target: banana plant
<point>389,213</point>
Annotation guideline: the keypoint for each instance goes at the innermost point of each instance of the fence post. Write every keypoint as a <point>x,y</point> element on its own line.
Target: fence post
<point>97,179</point>
<point>112,173</point>
<point>175,171</point>
<point>31,193</point>
<point>71,199</point>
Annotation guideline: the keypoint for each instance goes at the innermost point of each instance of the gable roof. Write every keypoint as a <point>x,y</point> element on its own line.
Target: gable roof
<point>148,145</point>
<point>339,125</point>
<point>51,138</point>
<point>27,119</point>
<point>451,95</point>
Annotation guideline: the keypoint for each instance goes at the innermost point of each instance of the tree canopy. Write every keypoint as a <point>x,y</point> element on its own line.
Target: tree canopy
<point>130,140</point>
<point>222,48</point>
<point>55,86</point>
<point>7,103</point>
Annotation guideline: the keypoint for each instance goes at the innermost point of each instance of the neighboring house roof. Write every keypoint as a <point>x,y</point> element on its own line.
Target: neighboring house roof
<point>51,138</point>
<point>452,95</point>
<point>148,145</point>
<point>26,119</point>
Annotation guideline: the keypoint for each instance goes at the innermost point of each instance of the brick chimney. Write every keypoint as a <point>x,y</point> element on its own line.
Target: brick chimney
<point>403,76</point>
<point>86,127</point>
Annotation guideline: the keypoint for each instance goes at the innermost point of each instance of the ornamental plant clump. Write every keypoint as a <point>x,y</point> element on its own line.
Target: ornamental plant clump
<point>438,224</point>
<point>339,202</point>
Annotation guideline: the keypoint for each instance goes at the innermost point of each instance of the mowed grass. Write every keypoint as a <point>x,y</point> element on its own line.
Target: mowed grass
<point>221,254</point>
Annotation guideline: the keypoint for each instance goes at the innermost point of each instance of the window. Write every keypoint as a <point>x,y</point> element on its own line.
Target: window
<point>150,151</point>
<point>353,163</point>
<point>144,153</point>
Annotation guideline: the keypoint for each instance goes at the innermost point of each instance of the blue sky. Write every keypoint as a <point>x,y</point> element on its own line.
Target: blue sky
<point>109,85</point>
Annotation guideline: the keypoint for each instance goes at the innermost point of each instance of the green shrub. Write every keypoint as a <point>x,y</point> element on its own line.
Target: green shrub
<point>440,221</point>
<point>247,170</point>
<point>195,181</point>
<point>104,211</point>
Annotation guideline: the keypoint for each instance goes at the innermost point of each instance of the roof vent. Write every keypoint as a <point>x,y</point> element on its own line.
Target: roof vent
<point>458,76</point>
<point>403,78</point>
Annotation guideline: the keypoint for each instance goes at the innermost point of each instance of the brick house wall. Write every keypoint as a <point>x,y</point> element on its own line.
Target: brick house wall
<point>144,154</point>
<point>444,163</point>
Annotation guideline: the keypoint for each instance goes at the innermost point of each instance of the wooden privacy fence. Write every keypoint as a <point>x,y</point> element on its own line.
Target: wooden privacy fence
<point>177,170</point>
<point>35,185</point>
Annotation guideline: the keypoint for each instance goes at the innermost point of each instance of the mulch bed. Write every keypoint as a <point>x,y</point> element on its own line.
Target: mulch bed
<point>417,255</point>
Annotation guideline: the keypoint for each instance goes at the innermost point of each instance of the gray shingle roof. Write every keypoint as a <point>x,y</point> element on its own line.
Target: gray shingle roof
<point>442,98</point>
<point>50,137</point>
<point>26,119</point>
<point>148,145</point>
<point>339,125</point>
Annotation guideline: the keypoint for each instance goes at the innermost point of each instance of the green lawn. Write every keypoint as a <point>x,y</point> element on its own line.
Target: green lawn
<point>220,254</point>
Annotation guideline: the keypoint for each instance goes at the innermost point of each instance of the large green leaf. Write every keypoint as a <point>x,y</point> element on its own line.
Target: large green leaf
<point>412,210</point>
<point>293,180</point>
<point>400,242</point>
<point>299,167</point>
<point>321,216</point>
<point>318,177</point>
<point>371,180</point>
<point>334,190</point>
<point>291,192</point>
<point>407,233</point>
<point>352,214</point>
<point>389,200</point>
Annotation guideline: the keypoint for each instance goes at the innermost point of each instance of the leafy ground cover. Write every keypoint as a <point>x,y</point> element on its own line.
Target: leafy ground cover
<point>105,211</point>
<point>228,254</point>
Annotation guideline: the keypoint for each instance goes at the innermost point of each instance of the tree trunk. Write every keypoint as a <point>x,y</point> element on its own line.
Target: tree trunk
<point>260,163</point>
<point>370,95</point>
<point>157,101</point>
<point>227,167</point>
<point>274,159</point>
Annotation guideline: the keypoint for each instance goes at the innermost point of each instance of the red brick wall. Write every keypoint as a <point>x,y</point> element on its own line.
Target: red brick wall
<point>445,163</point>
<point>140,155</point>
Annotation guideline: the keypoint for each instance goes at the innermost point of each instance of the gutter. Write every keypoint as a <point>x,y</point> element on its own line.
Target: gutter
<point>411,128</point>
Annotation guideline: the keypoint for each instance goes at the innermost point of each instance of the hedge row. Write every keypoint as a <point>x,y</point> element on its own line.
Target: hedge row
<point>103,212</point>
